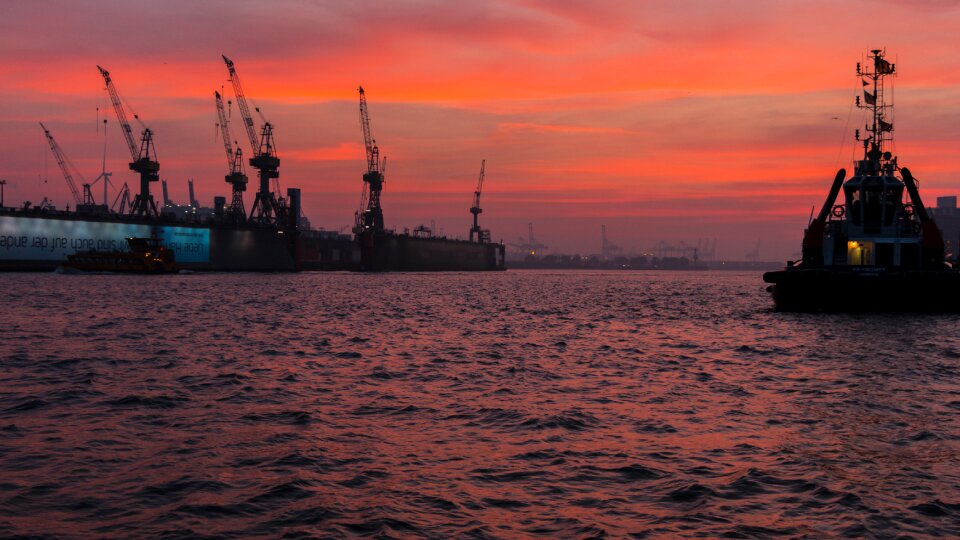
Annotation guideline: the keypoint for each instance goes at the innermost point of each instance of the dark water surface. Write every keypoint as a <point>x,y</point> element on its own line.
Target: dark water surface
<point>518,404</point>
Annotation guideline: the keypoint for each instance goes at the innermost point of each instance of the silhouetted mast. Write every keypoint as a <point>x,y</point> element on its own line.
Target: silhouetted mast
<point>877,158</point>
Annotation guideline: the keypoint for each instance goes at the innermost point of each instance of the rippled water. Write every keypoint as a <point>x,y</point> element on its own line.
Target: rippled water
<point>517,404</point>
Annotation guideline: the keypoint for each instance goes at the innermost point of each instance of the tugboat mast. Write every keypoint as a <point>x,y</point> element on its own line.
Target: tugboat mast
<point>877,158</point>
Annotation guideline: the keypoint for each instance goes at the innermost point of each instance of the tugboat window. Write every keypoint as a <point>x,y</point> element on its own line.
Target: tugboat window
<point>872,208</point>
<point>890,199</point>
<point>853,202</point>
<point>860,253</point>
<point>884,254</point>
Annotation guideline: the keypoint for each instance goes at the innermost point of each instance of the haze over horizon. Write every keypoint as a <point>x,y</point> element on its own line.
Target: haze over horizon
<point>663,120</point>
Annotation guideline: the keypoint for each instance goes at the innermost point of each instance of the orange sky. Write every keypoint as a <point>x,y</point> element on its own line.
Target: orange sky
<point>666,120</point>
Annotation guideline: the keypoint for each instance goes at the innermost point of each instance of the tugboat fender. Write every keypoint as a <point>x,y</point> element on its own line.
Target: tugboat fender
<point>813,236</point>
<point>932,239</point>
<point>832,196</point>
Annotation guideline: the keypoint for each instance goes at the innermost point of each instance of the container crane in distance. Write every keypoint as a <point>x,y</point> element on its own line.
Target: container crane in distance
<point>236,177</point>
<point>476,233</point>
<point>607,248</point>
<point>144,160</point>
<point>530,246</point>
<point>267,207</point>
<point>369,218</point>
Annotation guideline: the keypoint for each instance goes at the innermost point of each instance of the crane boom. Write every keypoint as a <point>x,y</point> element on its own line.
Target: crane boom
<point>248,122</point>
<point>476,194</point>
<point>62,161</point>
<point>224,129</point>
<point>373,151</point>
<point>476,233</point>
<point>121,114</point>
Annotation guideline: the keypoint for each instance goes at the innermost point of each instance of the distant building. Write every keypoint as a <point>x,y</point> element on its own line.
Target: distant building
<point>947,216</point>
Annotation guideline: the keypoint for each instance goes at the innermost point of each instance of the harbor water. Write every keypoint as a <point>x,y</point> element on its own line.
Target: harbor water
<point>519,404</point>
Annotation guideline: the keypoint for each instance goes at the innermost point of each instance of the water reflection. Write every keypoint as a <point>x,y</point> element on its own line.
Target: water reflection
<point>493,405</point>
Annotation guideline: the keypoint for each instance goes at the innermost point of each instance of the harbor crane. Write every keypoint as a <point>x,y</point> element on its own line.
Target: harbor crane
<point>236,177</point>
<point>268,207</point>
<point>65,165</point>
<point>143,159</point>
<point>370,216</point>
<point>482,236</point>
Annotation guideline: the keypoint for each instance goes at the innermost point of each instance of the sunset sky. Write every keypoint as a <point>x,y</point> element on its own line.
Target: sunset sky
<point>665,120</point>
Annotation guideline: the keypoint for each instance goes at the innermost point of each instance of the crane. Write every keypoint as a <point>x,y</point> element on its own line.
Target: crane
<point>370,216</point>
<point>267,207</point>
<point>65,165</point>
<point>481,235</point>
<point>143,159</point>
<point>236,177</point>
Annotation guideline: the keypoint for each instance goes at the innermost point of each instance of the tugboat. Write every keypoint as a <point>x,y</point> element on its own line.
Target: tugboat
<point>146,256</point>
<point>880,250</point>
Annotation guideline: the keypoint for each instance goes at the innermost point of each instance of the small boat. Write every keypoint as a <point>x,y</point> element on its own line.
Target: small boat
<point>880,249</point>
<point>146,256</point>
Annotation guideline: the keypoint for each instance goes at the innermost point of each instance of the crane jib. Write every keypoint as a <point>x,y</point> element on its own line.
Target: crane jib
<point>248,122</point>
<point>225,131</point>
<point>62,161</point>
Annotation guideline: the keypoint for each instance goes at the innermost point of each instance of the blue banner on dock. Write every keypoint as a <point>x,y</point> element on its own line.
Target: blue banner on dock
<point>43,239</point>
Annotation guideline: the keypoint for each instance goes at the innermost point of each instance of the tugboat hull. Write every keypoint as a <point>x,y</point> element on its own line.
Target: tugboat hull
<point>864,289</point>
